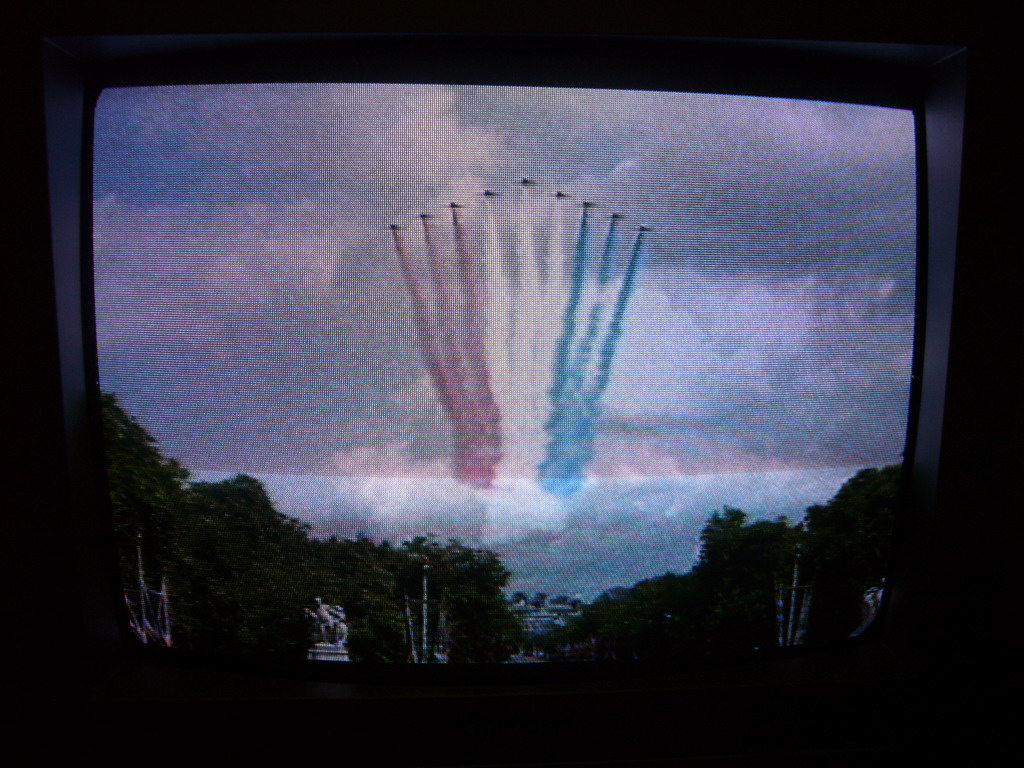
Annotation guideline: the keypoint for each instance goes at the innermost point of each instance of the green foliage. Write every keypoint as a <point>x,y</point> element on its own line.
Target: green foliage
<point>727,601</point>
<point>469,583</point>
<point>648,621</point>
<point>146,491</point>
<point>239,572</point>
<point>242,574</point>
<point>740,565</point>
<point>846,548</point>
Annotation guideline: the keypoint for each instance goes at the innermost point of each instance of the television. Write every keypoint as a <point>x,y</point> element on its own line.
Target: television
<point>522,704</point>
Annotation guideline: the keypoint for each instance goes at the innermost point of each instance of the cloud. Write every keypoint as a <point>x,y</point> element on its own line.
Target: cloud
<point>251,311</point>
<point>380,148</point>
<point>414,495</point>
<point>245,279</point>
<point>618,531</point>
<point>725,371</point>
<point>627,529</point>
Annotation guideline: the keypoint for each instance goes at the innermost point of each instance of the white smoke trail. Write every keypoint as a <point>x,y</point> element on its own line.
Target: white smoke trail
<point>529,264</point>
<point>546,311</point>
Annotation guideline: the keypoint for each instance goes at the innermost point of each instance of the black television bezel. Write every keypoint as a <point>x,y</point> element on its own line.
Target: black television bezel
<point>927,78</point>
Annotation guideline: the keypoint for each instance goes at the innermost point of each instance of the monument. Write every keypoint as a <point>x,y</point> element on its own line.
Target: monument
<point>330,633</point>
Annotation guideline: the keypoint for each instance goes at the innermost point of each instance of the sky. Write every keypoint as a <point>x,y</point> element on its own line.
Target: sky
<point>252,312</point>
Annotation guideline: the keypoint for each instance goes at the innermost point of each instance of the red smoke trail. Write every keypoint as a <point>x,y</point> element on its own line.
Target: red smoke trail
<point>483,438</point>
<point>453,364</point>
<point>453,346</point>
<point>424,324</point>
<point>454,368</point>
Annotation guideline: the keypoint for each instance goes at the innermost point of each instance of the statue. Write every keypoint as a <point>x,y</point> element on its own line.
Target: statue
<point>869,607</point>
<point>330,633</point>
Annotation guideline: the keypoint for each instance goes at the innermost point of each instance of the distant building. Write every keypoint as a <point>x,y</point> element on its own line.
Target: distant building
<point>541,614</point>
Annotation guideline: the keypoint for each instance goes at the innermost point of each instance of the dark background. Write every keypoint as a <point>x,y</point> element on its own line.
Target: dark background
<point>936,694</point>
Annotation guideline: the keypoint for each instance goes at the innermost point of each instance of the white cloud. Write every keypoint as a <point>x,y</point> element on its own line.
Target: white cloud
<point>305,180</point>
<point>411,494</point>
<point>616,532</point>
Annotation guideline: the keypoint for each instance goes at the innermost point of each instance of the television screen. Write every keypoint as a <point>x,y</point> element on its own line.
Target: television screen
<point>451,373</point>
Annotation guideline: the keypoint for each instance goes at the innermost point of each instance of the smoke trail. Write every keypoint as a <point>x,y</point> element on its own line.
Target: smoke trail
<point>538,321</point>
<point>453,369</point>
<point>467,429</point>
<point>604,293</point>
<point>498,317</point>
<point>527,265</point>
<point>464,393</point>
<point>577,408</point>
<point>561,470</point>
<point>565,342</point>
<point>423,316</point>
<point>615,327</point>
<point>554,270</point>
<point>520,343</point>
<point>482,430</point>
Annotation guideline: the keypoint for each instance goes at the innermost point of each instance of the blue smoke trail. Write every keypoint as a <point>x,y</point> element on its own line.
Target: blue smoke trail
<point>575,437</point>
<point>571,425</point>
<point>574,416</point>
<point>552,472</point>
<point>581,258</point>
<point>611,247</point>
<point>581,449</point>
<point>615,327</point>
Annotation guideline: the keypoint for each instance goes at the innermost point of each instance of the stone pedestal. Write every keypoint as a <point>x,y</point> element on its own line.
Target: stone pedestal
<point>328,652</point>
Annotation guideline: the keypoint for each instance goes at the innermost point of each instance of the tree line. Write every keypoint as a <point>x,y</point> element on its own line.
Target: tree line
<point>745,582</point>
<point>241,574</point>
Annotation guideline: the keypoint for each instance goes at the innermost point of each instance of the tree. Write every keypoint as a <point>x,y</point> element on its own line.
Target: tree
<point>740,565</point>
<point>146,492</point>
<point>361,575</point>
<point>727,600</point>
<point>469,584</point>
<point>725,603</point>
<point>846,549</point>
<point>241,574</point>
